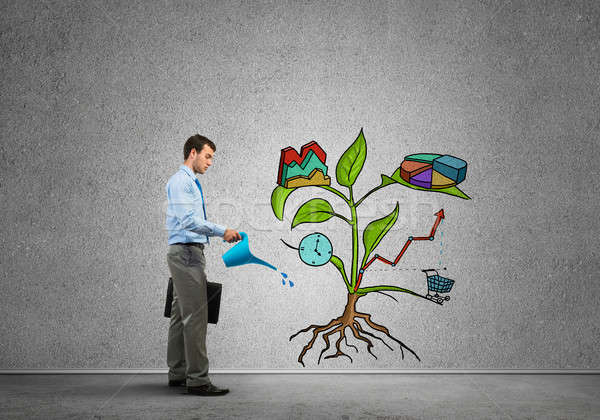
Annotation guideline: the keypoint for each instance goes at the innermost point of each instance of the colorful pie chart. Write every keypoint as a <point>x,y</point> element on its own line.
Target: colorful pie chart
<point>429,170</point>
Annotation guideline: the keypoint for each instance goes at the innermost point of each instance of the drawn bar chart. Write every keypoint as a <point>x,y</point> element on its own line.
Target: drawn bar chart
<point>303,169</point>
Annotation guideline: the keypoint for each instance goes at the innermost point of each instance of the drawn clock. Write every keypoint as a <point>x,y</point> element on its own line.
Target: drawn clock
<point>315,249</point>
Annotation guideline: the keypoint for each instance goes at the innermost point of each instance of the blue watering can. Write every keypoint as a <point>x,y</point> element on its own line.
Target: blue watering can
<point>240,254</point>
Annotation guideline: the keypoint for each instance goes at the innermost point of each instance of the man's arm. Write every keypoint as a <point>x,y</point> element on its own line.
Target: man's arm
<point>184,208</point>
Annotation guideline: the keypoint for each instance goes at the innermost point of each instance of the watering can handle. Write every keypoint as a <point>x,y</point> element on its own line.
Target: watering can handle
<point>243,235</point>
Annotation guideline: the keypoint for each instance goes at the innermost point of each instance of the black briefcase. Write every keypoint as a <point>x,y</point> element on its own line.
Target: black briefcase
<point>169,301</point>
<point>213,294</point>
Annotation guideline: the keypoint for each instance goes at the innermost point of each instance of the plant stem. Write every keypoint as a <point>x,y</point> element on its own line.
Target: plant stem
<point>354,274</point>
<point>343,218</point>
<point>336,192</point>
<point>368,194</point>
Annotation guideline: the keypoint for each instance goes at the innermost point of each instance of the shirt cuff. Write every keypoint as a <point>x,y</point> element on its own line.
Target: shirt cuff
<point>219,230</point>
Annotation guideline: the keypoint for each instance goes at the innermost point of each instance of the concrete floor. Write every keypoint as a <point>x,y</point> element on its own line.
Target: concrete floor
<point>306,396</point>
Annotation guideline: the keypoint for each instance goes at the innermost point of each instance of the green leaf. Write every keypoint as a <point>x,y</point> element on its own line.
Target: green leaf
<point>455,191</point>
<point>278,197</point>
<point>376,230</point>
<point>352,161</point>
<point>316,210</point>
<point>339,264</point>
<point>365,290</point>
<point>386,180</point>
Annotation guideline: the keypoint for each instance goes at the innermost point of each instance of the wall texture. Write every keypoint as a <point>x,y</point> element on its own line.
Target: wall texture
<point>98,98</point>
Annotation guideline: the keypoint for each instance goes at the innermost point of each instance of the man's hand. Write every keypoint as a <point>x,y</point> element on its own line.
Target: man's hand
<point>231,235</point>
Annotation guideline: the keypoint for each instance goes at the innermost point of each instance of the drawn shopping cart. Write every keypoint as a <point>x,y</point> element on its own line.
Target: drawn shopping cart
<point>437,284</point>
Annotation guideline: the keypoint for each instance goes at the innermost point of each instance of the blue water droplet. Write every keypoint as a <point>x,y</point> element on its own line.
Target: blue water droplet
<point>291,283</point>
<point>285,276</point>
<point>283,281</point>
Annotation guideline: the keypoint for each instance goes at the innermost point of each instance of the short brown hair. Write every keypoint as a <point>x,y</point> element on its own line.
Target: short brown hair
<point>197,142</point>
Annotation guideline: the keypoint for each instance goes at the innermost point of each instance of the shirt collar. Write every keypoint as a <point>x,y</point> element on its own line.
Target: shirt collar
<point>188,171</point>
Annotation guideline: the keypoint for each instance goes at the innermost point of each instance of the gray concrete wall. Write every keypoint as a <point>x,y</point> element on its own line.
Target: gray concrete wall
<point>98,98</point>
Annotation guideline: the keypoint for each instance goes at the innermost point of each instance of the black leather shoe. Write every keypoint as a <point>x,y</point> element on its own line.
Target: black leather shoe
<point>207,390</point>
<point>177,382</point>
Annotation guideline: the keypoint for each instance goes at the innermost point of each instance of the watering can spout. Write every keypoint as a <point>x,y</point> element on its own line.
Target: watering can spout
<point>240,254</point>
<point>255,260</point>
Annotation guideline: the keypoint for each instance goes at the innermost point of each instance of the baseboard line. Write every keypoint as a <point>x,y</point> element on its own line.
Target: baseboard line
<point>309,371</point>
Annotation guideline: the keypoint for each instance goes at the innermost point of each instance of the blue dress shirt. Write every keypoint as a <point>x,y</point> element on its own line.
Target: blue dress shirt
<point>186,217</point>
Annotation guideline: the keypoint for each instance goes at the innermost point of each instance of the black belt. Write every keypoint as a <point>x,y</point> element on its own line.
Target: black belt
<point>198,244</point>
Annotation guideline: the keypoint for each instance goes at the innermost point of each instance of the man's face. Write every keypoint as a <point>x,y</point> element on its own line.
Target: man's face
<point>203,159</point>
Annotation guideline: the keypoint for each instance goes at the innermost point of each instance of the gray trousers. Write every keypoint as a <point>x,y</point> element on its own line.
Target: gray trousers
<point>186,349</point>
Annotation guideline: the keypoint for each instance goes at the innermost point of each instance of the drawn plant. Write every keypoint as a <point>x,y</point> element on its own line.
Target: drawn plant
<point>317,210</point>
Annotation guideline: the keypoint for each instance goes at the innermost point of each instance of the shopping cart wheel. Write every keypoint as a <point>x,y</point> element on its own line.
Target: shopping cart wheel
<point>447,298</point>
<point>440,300</point>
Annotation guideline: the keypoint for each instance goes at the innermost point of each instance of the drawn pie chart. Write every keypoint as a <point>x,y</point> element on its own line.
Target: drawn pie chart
<point>430,170</point>
<point>410,169</point>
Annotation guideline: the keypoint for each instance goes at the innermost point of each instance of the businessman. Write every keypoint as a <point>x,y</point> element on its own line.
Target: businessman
<point>189,231</point>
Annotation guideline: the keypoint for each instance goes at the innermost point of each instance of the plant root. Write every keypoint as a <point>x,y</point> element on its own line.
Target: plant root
<point>338,326</point>
<point>384,330</point>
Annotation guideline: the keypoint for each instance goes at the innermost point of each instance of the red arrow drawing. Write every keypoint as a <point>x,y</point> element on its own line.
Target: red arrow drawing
<point>438,220</point>
<point>440,216</point>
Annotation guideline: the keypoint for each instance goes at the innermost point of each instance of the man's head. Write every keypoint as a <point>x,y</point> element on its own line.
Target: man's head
<point>198,153</point>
